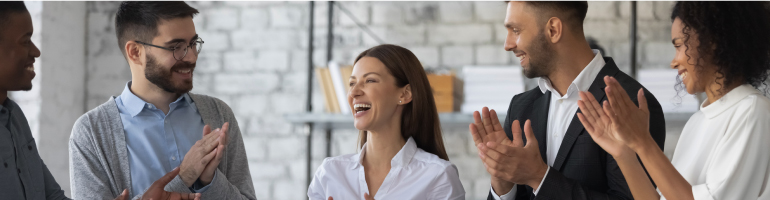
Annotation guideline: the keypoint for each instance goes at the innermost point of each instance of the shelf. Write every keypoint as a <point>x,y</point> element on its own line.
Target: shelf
<point>448,120</point>
<point>342,121</point>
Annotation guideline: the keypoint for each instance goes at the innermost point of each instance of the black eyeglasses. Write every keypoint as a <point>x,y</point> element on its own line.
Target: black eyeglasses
<point>179,51</point>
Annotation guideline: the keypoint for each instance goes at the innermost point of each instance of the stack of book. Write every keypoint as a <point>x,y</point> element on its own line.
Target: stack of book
<point>334,85</point>
<point>490,86</point>
<point>661,83</point>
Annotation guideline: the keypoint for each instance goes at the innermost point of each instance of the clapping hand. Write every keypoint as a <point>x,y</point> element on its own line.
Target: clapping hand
<point>599,125</point>
<point>156,191</point>
<point>515,161</point>
<point>632,122</point>
<point>208,173</point>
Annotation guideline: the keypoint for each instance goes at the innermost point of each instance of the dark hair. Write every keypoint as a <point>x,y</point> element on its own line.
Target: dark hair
<point>419,119</point>
<point>8,7</point>
<point>574,12</point>
<point>734,36</point>
<point>138,20</point>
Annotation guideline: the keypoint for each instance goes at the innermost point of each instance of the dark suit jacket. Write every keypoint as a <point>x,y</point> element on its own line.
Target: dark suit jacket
<point>582,169</point>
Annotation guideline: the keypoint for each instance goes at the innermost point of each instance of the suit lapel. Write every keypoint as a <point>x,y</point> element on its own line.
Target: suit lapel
<point>575,127</point>
<point>539,120</point>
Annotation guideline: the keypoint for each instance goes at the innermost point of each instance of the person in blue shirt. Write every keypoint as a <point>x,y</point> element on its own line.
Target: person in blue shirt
<point>22,171</point>
<point>155,124</point>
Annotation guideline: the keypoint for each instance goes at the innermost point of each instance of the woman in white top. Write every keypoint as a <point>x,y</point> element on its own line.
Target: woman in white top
<point>402,152</point>
<point>722,49</point>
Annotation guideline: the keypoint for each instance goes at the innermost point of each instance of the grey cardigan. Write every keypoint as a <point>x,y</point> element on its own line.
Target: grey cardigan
<point>99,158</point>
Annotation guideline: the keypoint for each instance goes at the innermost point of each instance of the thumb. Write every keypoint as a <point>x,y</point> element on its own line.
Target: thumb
<point>642,101</point>
<point>330,198</point>
<point>206,130</point>
<point>531,140</point>
<point>516,133</point>
<point>225,127</point>
<point>123,195</point>
<point>223,132</point>
<point>163,181</point>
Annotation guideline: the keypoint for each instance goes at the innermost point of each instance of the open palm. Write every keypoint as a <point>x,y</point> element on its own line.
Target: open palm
<point>599,125</point>
<point>487,128</point>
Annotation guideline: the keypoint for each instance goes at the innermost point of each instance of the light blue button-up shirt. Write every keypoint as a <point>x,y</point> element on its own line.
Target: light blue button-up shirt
<point>157,142</point>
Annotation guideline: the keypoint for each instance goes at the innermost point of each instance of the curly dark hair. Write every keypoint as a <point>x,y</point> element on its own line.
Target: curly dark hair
<point>735,36</point>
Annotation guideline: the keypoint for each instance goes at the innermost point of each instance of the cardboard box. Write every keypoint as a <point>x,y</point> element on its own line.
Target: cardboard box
<point>447,92</point>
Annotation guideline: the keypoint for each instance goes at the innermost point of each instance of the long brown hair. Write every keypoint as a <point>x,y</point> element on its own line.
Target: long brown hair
<point>419,119</point>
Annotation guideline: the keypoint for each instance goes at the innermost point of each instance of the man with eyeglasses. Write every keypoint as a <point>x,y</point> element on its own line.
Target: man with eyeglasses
<point>22,171</point>
<point>156,125</point>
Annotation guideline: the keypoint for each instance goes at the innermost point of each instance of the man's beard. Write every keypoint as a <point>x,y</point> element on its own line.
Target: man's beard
<point>157,75</point>
<point>540,65</point>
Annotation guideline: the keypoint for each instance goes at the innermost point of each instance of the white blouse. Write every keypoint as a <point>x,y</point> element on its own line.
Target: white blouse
<point>414,174</point>
<point>724,149</point>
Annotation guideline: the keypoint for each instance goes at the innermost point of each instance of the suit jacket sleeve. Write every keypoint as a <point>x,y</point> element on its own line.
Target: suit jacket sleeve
<point>557,186</point>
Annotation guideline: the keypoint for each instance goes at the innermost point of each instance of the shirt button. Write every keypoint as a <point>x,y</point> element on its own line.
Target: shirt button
<point>166,121</point>
<point>18,170</point>
<point>173,157</point>
<point>6,165</point>
<point>29,147</point>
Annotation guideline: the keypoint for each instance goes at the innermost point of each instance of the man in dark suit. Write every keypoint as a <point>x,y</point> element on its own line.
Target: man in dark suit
<point>560,159</point>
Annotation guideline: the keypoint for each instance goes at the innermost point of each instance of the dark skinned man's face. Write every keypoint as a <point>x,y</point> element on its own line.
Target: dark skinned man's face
<point>17,52</point>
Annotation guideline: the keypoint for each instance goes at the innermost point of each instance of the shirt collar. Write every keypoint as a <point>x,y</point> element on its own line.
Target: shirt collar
<point>135,105</point>
<point>583,81</point>
<point>402,158</point>
<point>9,105</point>
<point>728,100</point>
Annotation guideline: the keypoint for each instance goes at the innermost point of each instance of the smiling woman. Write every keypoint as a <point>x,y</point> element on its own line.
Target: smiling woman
<point>419,118</point>
<point>402,151</point>
<point>722,151</point>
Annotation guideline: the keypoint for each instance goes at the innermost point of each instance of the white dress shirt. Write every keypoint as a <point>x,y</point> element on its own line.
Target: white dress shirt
<point>414,174</point>
<point>561,111</point>
<point>723,150</point>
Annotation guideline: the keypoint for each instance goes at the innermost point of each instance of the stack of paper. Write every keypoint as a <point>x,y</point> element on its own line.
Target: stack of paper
<point>490,86</point>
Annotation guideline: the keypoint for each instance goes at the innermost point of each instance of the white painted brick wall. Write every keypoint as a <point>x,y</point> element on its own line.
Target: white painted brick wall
<point>254,18</point>
<point>456,12</point>
<point>602,10</point>
<point>490,11</point>
<point>428,56</point>
<point>359,9</point>
<point>659,53</point>
<point>222,19</point>
<point>460,34</point>
<point>492,54</point>
<point>457,56</point>
<point>387,13</point>
<point>245,83</point>
<point>286,16</point>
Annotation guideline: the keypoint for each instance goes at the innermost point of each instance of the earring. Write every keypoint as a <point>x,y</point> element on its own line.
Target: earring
<point>399,102</point>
